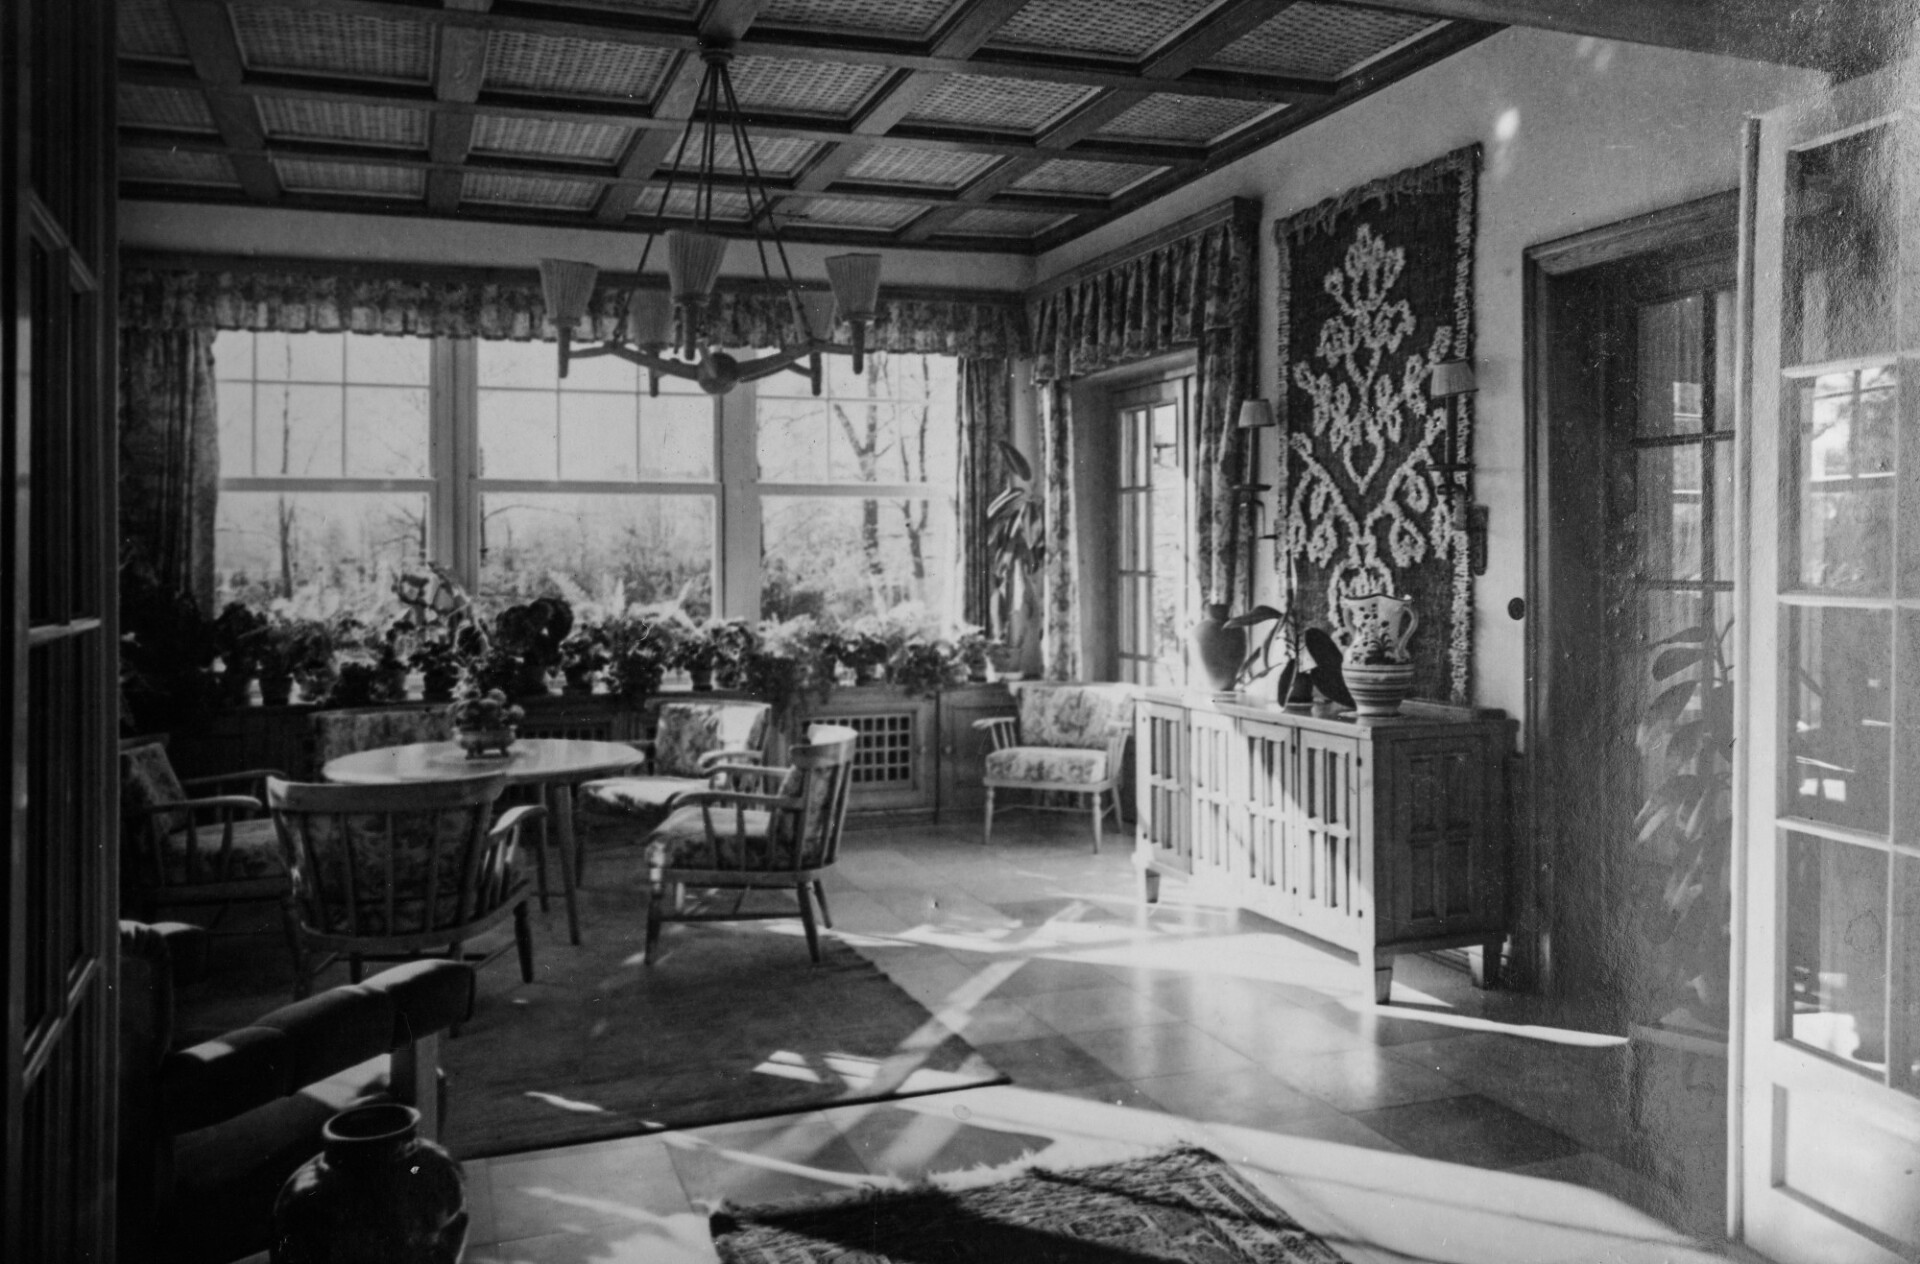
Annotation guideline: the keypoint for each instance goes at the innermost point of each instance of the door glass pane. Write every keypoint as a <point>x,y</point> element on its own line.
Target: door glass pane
<point>1836,949</point>
<point>1906,979</point>
<point>1839,722</point>
<point>1845,470</point>
<point>1720,458</point>
<point>1672,343</point>
<point>1841,243</point>
<point>1671,499</point>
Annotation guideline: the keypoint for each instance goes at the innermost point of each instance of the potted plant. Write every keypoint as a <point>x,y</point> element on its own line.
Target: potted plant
<point>294,650</point>
<point>238,632</point>
<point>1016,543</point>
<point>922,668</point>
<point>582,655</point>
<point>970,647</point>
<point>166,655</point>
<point>484,721</point>
<point>526,643</point>
<point>787,661</point>
<point>696,651</point>
<point>639,650</point>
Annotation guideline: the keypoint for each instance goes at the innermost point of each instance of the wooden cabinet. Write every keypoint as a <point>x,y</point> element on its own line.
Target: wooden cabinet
<point>963,749</point>
<point>1380,836</point>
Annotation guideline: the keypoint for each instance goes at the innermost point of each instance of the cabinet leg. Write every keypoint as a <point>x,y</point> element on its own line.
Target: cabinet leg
<point>1149,885</point>
<point>1486,970</point>
<point>1380,965</point>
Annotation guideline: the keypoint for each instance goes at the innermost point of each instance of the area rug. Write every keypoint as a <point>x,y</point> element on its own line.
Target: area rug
<point>1376,287</point>
<point>1185,1206</point>
<point>733,1021</point>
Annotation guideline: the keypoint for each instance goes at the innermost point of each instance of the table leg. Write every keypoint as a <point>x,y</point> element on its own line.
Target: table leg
<point>560,803</point>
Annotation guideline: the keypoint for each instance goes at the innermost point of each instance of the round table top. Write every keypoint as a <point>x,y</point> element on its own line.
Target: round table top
<point>532,759</point>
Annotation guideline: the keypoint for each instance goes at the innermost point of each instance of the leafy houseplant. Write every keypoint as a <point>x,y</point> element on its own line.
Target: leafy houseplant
<point>238,633</point>
<point>639,650</point>
<point>1683,897</point>
<point>526,645</point>
<point>294,650</point>
<point>788,662</point>
<point>1016,544</point>
<point>166,654</point>
<point>582,654</point>
<point>923,668</point>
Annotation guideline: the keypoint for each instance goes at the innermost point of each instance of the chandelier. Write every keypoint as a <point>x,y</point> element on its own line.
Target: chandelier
<point>666,331</point>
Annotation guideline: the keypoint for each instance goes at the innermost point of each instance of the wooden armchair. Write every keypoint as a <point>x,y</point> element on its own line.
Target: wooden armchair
<point>401,871</point>
<point>782,835</point>
<point>201,841</point>
<point>1067,739</point>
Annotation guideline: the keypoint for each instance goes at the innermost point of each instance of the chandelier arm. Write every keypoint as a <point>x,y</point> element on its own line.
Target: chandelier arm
<point>768,365</point>
<point>646,360</point>
<point>756,180</point>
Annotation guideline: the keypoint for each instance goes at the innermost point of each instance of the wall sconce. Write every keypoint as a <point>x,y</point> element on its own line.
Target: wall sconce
<point>1255,415</point>
<point>1450,380</point>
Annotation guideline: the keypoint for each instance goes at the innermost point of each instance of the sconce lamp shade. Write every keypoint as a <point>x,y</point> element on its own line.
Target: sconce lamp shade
<point>693,264</point>
<point>856,285</point>
<point>817,307</point>
<point>566,286</point>
<point>650,318</point>
<point>1256,414</point>
<point>1454,377</point>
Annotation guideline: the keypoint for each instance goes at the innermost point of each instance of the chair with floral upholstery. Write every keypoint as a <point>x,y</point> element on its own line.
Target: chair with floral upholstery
<point>1067,739</point>
<point>401,871</point>
<point>782,836</point>
<point>202,841</point>
<point>690,739</point>
<point>337,733</point>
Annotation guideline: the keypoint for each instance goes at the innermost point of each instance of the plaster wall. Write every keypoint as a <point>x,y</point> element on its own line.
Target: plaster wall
<point>251,230</point>
<point>1577,133</point>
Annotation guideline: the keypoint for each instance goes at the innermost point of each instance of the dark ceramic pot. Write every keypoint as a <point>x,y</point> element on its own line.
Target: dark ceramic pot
<point>275,691</point>
<point>376,1193</point>
<point>702,679</point>
<point>1218,650</point>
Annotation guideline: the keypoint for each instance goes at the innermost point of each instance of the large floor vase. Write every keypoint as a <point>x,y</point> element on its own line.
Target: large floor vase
<point>376,1193</point>
<point>1378,689</point>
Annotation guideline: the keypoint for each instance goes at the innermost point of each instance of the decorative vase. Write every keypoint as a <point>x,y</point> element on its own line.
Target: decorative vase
<point>1378,688</point>
<point>1381,620</point>
<point>1218,650</point>
<point>477,742</point>
<point>376,1192</point>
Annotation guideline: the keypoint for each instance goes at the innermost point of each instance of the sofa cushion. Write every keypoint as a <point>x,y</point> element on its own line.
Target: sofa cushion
<point>1072,715</point>
<point>643,799</point>
<point>1040,764</point>
<point>147,779</point>
<point>687,730</point>
<point>740,840</point>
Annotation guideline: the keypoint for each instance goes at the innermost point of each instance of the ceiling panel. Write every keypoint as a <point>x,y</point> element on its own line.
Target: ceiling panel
<point>575,67</point>
<point>172,109</point>
<point>322,42</point>
<point>147,29</point>
<point>1170,116</point>
<point>1006,105</point>
<point>343,121</point>
<point>310,176</point>
<point>914,19</point>
<point>173,166</point>
<point>925,168</point>
<point>586,142</point>
<point>1119,28</point>
<point>533,191</point>
<point>1320,39</point>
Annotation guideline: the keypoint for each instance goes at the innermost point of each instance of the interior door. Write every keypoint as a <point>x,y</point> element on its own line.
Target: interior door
<point>1829,1141</point>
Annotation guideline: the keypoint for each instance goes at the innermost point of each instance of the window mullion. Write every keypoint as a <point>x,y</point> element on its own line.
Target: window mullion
<point>736,448</point>
<point>456,507</point>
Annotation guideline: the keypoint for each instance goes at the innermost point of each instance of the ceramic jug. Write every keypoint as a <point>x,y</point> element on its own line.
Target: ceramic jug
<point>1382,620</point>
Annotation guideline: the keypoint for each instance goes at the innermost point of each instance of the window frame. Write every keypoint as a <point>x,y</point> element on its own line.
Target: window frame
<point>1132,408</point>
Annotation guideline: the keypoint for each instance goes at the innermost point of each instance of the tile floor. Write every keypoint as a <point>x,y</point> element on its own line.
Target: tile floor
<point>1442,1127</point>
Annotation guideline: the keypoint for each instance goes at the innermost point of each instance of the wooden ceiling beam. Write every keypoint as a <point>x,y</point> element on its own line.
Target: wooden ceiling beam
<point>219,70</point>
<point>520,105</point>
<point>1191,48</point>
<point>459,71</point>
<point>835,46</point>
<point>724,21</point>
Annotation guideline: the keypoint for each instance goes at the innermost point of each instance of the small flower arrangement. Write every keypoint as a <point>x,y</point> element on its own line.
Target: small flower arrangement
<point>484,721</point>
<point>923,668</point>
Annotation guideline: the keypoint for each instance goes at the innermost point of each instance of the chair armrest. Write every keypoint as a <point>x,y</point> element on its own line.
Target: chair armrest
<point>762,772</point>
<point>427,997</point>
<point>514,817</point>
<point>221,802</point>
<point>740,755</point>
<point>1003,729</point>
<point>252,776</point>
<point>704,799</point>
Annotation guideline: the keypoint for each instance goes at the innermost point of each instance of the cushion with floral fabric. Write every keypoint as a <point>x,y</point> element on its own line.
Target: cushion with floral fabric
<point>337,733</point>
<point>147,779</point>
<point>1072,715</point>
<point>256,853</point>
<point>324,863</point>
<point>642,798</point>
<point>1047,764</point>
<point>749,838</point>
<point>687,730</point>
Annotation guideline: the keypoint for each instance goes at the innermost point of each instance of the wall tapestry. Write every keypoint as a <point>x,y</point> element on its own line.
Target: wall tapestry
<point>1376,287</point>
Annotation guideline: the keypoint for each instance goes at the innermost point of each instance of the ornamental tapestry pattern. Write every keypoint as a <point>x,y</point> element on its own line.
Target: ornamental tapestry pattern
<point>1376,287</point>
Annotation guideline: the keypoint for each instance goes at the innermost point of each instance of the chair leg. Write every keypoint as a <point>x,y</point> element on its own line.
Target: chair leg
<point>653,914</point>
<point>806,920</point>
<point>986,832</point>
<point>356,968</point>
<point>523,939</point>
<point>540,860</point>
<point>1099,813</point>
<point>290,927</point>
<point>820,897</point>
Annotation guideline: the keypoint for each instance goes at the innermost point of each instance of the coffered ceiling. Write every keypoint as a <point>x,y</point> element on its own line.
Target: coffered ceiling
<point>1006,125</point>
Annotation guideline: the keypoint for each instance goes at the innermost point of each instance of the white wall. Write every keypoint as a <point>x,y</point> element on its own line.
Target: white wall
<point>250,230</point>
<point>1577,133</point>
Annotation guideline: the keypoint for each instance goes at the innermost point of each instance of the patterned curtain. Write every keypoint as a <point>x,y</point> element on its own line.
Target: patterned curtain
<point>1060,626</point>
<point>488,305</point>
<point>986,415</point>
<point>1199,291</point>
<point>170,455</point>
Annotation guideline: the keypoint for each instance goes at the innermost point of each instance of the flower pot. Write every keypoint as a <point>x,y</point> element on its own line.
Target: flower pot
<point>275,690</point>
<point>376,1192</point>
<point>1378,689</point>
<point>478,742</point>
<point>1218,650</point>
<point>578,680</point>
<point>702,678</point>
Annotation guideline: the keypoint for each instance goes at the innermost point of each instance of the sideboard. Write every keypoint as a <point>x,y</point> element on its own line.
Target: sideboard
<point>916,755</point>
<point>1380,836</point>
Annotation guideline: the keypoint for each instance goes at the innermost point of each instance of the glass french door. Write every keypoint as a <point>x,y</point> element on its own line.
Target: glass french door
<point>1828,1138</point>
<point>1155,587</point>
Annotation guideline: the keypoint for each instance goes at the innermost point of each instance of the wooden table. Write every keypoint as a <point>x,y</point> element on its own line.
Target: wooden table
<point>554,764</point>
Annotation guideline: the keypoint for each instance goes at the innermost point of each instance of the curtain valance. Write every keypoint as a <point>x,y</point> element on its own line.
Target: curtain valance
<point>1154,300</point>
<point>493,305</point>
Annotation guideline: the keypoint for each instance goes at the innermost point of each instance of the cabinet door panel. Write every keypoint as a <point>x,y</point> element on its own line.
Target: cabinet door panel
<point>1437,860</point>
<point>1335,883</point>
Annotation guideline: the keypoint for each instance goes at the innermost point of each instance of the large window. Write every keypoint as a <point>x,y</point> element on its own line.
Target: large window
<point>1156,587</point>
<point>345,458</point>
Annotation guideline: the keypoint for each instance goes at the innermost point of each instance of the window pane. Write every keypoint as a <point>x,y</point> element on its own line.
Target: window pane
<point>234,400</point>
<point>233,355</point>
<point>676,437</point>
<point>597,435</point>
<point>300,357</point>
<point>847,557</point>
<point>276,544</point>
<point>1846,475</point>
<point>1839,715</point>
<point>793,442</point>
<point>595,373</point>
<point>531,364</point>
<point>519,434</point>
<point>387,432</point>
<point>392,361</point>
<point>892,423</point>
<point>616,549</point>
<point>297,430</point>
<point>1836,900</point>
<point>1670,494</point>
<point>1672,346</point>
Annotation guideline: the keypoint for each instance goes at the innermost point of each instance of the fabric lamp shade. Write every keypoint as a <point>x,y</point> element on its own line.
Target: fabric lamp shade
<point>566,285</point>
<point>693,264</point>
<point>856,285</point>
<point>1256,414</point>
<point>650,318</point>
<point>817,307</point>
<point>1454,377</point>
